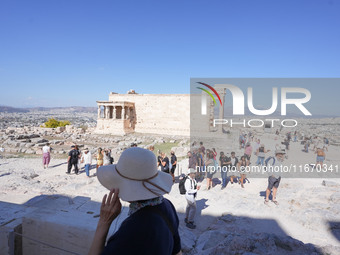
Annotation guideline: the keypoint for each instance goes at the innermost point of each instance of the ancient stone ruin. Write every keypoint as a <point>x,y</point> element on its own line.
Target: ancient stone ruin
<point>165,114</point>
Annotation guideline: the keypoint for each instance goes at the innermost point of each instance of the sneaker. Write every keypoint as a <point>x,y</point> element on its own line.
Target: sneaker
<point>67,172</point>
<point>191,225</point>
<point>223,187</point>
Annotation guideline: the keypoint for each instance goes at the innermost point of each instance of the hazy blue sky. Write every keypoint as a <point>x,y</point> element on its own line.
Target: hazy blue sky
<point>62,53</point>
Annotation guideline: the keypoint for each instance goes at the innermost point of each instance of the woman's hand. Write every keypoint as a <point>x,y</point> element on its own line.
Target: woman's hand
<point>110,208</point>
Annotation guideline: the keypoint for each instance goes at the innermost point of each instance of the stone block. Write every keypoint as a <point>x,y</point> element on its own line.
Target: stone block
<point>67,228</point>
<point>10,227</point>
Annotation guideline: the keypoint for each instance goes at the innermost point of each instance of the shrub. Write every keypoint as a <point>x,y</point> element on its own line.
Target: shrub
<point>53,123</point>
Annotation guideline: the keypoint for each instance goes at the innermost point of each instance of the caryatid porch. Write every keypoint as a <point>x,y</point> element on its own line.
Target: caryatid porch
<point>118,117</point>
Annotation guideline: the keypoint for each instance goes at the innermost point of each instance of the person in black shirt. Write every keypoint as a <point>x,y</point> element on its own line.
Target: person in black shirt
<point>233,167</point>
<point>165,167</point>
<point>173,164</point>
<point>225,165</point>
<point>72,160</point>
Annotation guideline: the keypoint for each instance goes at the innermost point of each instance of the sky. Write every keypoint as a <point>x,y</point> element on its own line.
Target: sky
<point>72,53</point>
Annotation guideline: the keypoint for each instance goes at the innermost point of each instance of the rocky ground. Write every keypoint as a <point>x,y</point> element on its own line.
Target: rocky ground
<point>229,221</point>
<point>28,141</point>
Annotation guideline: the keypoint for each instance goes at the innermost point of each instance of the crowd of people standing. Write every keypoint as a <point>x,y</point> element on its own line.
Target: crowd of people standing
<point>165,164</point>
<point>203,164</point>
<point>76,157</point>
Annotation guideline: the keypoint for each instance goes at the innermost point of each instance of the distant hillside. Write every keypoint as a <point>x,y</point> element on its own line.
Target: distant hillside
<point>66,109</point>
<point>10,109</point>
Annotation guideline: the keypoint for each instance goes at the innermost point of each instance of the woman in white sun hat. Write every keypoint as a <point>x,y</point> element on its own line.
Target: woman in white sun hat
<point>152,225</point>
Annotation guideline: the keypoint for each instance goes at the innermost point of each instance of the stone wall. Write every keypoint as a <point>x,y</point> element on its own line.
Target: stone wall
<point>166,114</point>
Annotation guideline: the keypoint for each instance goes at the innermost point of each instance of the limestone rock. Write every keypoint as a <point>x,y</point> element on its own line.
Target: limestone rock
<point>335,198</point>
<point>59,130</point>
<point>330,184</point>
<point>188,239</point>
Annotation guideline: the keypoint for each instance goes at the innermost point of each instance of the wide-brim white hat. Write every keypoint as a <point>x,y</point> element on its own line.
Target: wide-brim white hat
<point>191,171</point>
<point>136,176</point>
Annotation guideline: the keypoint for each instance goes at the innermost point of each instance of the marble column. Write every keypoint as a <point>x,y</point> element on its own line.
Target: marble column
<point>99,111</point>
<point>114,113</point>
<point>123,113</point>
<point>107,112</point>
<point>127,113</point>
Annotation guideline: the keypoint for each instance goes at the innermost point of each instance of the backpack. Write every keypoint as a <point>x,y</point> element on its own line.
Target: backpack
<point>181,185</point>
<point>267,161</point>
<point>320,153</point>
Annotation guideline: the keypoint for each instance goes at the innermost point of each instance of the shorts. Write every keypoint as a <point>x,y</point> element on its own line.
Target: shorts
<point>210,175</point>
<point>273,182</point>
<point>247,156</point>
<point>320,158</point>
<point>173,169</point>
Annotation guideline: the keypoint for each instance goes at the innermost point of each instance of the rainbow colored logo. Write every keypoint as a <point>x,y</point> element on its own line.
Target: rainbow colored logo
<point>209,93</point>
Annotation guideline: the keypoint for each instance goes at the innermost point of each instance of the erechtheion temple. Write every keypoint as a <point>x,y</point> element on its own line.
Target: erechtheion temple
<point>166,114</point>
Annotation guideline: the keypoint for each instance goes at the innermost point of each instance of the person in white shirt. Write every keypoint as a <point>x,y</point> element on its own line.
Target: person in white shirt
<point>46,155</point>
<point>106,158</point>
<point>87,160</point>
<point>190,195</point>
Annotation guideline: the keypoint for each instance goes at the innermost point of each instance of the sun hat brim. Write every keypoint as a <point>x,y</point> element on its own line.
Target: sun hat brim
<point>280,152</point>
<point>132,190</point>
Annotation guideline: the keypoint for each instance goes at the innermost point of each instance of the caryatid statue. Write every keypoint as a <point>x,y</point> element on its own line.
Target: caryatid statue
<point>99,111</point>
<point>107,112</point>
